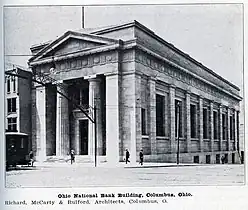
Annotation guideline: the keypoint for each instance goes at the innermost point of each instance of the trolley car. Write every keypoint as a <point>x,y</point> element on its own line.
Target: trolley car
<point>16,149</point>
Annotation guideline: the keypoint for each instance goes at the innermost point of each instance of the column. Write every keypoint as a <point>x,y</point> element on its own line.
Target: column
<point>152,117</point>
<point>173,144</point>
<point>188,128</point>
<point>228,130</point>
<point>77,139</point>
<point>95,101</point>
<point>112,119</point>
<point>41,123</point>
<point>201,124</point>
<point>62,122</point>
<point>211,120</point>
<point>220,127</point>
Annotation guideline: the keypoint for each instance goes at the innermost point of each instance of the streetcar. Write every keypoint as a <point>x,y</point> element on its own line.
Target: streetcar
<point>16,149</point>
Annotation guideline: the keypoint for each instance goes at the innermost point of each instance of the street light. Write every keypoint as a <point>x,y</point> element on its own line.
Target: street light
<point>177,119</point>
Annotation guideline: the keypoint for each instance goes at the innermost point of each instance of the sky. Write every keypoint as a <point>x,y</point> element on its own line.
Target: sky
<point>211,34</point>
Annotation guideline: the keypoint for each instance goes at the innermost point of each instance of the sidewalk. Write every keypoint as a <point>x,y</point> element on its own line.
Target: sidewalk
<point>107,165</point>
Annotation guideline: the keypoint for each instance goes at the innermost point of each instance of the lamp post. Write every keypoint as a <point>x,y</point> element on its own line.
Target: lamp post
<point>177,118</point>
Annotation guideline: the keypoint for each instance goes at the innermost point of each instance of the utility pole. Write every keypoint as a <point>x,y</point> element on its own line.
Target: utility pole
<point>178,124</point>
<point>83,17</point>
<point>95,127</point>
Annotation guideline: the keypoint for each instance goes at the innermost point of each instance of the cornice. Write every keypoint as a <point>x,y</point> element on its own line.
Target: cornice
<point>160,67</point>
<point>74,54</point>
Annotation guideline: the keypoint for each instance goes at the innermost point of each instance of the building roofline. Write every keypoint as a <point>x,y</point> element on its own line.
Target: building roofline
<point>151,33</point>
<point>12,66</point>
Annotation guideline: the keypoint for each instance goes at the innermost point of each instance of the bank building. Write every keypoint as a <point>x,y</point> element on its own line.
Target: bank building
<point>147,95</point>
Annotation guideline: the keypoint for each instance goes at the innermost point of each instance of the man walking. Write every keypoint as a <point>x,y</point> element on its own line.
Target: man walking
<point>127,156</point>
<point>141,155</point>
<point>72,153</point>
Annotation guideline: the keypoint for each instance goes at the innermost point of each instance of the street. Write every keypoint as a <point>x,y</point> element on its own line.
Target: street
<point>82,175</point>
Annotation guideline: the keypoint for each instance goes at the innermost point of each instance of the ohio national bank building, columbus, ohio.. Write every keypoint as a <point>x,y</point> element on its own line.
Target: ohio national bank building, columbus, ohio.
<point>127,88</point>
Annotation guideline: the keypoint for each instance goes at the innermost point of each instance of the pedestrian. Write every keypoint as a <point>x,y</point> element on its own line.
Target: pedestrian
<point>222,159</point>
<point>72,153</point>
<point>31,158</point>
<point>127,156</point>
<point>141,155</point>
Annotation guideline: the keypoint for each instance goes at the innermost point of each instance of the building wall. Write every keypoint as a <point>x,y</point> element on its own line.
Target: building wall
<point>165,76</point>
<point>24,93</point>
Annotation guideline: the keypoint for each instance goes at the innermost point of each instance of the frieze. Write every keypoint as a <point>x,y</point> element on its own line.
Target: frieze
<point>171,71</point>
<point>79,63</point>
<point>128,56</point>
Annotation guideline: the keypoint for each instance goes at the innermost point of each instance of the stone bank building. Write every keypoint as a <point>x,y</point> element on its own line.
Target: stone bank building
<point>148,95</point>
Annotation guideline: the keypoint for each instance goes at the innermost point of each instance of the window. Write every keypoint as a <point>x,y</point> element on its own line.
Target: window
<point>8,85</point>
<point>12,124</point>
<point>22,143</point>
<point>14,83</point>
<point>226,158</point>
<point>193,120</point>
<point>205,123</point>
<point>233,158</point>
<point>208,159</point>
<point>196,159</point>
<point>160,125</point>
<point>231,127</point>
<point>224,127</point>
<point>215,125</point>
<point>11,102</point>
<point>218,158</point>
<point>178,118</point>
<point>143,121</point>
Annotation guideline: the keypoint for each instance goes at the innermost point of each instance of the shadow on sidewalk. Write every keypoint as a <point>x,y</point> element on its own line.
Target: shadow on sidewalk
<point>20,168</point>
<point>164,166</point>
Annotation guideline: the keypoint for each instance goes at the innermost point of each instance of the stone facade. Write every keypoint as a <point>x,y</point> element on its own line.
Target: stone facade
<point>140,91</point>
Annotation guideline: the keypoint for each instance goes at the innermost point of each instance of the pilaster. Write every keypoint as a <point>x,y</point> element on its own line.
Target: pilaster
<point>173,144</point>
<point>211,120</point>
<point>188,128</point>
<point>228,130</point>
<point>112,119</point>
<point>138,113</point>
<point>220,127</point>
<point>235,129</point>
<point>152,118</point>
<point>201,124</point>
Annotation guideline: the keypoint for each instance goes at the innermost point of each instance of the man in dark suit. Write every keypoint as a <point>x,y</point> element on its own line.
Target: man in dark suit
<point>127,156</point>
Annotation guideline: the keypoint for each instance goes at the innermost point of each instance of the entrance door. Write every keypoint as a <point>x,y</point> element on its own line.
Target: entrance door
<point>83,127</point>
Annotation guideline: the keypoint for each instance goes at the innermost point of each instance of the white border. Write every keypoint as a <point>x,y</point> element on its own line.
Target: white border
<point>225,198</point>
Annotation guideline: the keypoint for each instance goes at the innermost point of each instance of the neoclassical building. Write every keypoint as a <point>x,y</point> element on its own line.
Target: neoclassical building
<point>147,93</point>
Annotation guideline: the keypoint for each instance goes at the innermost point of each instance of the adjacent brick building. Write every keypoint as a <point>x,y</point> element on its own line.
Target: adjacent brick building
<point>148,95</point>
<point>18,100</point>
